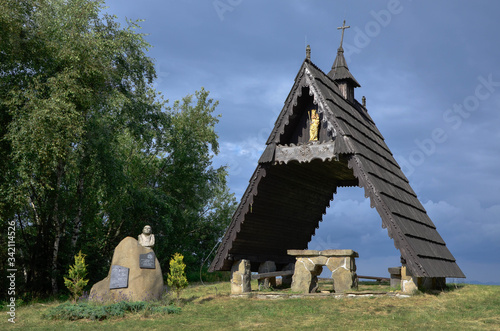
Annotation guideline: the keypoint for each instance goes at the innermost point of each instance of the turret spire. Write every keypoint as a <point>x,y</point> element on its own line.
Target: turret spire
<point>340,72</point>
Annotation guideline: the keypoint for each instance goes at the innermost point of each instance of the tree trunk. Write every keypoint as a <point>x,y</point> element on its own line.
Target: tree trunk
<point>78,219</point>
<point>55,254</point>
<point>59,227</point>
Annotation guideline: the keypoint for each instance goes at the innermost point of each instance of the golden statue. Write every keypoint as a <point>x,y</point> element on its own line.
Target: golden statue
<point>314,125</point>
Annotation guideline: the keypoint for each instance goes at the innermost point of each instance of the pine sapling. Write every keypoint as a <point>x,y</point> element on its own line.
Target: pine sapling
<point>177,276</point>
<point>75,282</point>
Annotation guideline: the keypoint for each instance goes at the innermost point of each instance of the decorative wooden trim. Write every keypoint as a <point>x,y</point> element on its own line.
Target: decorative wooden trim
<point>305,152</point>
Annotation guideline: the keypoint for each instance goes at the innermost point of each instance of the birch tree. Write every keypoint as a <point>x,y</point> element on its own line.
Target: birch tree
<point>89,151</point>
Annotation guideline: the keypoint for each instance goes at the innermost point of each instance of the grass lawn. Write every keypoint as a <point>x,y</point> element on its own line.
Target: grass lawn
<point>209,307</point>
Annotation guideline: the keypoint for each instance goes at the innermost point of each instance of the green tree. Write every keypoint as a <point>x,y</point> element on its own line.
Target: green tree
<point>74,83</point>
<point>203,204</point>
<point>76,282</point>
<point>90,152</point>
<point>177,275</point>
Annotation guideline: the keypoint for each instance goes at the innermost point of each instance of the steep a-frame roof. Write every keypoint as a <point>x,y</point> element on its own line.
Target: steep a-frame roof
<point>295,180</point>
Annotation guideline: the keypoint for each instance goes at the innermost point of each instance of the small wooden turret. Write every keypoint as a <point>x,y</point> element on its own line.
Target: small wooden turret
<point>340,72</point>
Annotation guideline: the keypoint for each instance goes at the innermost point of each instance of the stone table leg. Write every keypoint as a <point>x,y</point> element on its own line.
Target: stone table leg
<point>343,273</point>
<point>305,276</point>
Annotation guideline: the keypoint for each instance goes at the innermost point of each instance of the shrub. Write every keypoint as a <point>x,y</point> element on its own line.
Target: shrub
<point>69,311</point>
<point>76,276</point>
<point>177,276</point>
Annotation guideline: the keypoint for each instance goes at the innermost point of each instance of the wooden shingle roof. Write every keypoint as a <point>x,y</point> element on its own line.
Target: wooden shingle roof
<point>295,180</point>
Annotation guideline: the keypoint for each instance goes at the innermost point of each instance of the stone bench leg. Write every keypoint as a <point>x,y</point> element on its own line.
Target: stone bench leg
<point>343,273</point>
<point>241,277</point>
<point>287,280</point>
<point>395,277</point>
<point>265,283</point>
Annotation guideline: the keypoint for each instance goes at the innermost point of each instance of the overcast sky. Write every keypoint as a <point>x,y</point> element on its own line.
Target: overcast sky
<point>431,76</point>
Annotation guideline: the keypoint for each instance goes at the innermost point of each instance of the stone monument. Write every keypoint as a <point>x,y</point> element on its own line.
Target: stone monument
<point>135,273</point>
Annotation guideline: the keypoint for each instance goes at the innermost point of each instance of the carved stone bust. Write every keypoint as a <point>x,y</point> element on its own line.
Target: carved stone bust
<point>146,238</point>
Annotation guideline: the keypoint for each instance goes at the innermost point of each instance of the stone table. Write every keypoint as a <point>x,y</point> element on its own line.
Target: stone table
<point>309,266</point>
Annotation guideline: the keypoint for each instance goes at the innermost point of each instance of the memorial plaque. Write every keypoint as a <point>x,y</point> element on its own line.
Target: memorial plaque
<point>119,277</point>
<point>147,261</point>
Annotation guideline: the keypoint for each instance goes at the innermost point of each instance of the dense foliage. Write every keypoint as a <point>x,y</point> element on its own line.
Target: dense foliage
<point>90,152</point>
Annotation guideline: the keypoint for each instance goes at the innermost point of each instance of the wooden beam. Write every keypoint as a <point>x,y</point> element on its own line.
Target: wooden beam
<point>263,258</point>
<point>378,279</point>
<point>273,274</point>
<point>304,152</point>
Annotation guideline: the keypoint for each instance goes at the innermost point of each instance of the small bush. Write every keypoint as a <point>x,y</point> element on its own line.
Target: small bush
<point>177,276</point>
<point>69,311</point>
<point>75,282</point>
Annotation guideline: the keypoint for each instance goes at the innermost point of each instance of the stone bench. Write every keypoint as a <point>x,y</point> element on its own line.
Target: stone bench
<point>403,279</point>
<point>395,277</point>
<point>309,265</point>
<point>241,276</point>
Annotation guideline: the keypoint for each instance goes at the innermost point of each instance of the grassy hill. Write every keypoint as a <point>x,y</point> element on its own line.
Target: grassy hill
<point>210,307</point>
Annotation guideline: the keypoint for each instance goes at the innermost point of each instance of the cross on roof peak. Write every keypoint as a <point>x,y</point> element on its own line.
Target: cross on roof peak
<point>343,27</point>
